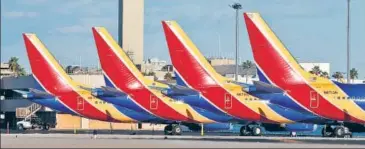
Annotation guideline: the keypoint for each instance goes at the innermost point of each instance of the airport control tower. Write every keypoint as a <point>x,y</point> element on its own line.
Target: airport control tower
<point>130,25</point>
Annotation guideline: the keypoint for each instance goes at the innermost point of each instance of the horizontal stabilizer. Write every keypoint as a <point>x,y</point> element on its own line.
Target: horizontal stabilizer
<point>106,91</point>
<point>180,90</point>
<point>34,93</point>
<point>264,87</point>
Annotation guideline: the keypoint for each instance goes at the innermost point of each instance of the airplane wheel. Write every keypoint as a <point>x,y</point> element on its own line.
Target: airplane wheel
<point>243,131</point>
<point>256,131</point>
<point>176,130</point>
<point>293,134</point>
<point>168,130</point>
<point>339,132</point>
<point>327,131</point>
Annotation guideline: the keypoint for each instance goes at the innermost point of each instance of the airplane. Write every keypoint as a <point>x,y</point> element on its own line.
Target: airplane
<point>344,104</point>
<point>225,96</point>
<point>122,76</point>
<point>56,90</point>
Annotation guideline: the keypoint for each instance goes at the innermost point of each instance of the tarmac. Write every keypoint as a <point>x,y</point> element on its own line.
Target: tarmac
<point>55,140</point>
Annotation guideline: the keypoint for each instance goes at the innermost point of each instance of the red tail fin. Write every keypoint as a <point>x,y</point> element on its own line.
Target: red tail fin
<point>44,67</point>
<point>190,65</point>
<point>115,63</point>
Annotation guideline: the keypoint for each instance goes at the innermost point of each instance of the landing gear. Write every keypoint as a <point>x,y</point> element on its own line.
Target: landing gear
<point>293,134</point>
<point>173,129</point>
<point>256,131</point>
<point>253,130</point>
<point>338,132</point>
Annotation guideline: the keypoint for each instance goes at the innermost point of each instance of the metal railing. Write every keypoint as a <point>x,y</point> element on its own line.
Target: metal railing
<point>27,112</point>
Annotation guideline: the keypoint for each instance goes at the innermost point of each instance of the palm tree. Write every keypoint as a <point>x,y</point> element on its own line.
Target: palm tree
<point>316,70</point>
<point>324,74</point>
<point>247,65</point>
<point>337,75</point>
<point>353,74</point>
<point>15,67</point>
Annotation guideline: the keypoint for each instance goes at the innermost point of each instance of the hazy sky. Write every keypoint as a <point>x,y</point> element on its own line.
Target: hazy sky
<point>313,30</point>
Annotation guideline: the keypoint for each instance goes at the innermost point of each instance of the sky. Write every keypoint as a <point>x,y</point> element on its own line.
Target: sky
<point>313,30</point>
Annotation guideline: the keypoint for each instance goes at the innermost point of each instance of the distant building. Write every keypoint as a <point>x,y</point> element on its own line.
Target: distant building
<point>153,64</point>
<point>5,70</point>
<point>131,21</point>
<point>221,61</point>
<point>244,75</point>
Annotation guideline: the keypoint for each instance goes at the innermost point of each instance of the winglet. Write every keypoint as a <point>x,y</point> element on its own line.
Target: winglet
<point>46,70</point>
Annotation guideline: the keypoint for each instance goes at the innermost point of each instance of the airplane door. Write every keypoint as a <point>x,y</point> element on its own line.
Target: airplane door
<point>314,99</point>
<point>80,103</point>
<point>228,101</point>
<point>153,102</point>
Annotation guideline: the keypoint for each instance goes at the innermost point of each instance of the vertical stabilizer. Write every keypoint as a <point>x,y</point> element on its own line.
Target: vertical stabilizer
<point>46,70</point>
<point>191,66</point>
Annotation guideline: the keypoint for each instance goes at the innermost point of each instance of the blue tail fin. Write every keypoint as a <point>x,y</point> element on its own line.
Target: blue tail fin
<point>262,77</point>
<point>179,80</point>
<point>37,85</point>
<point>108,83</point>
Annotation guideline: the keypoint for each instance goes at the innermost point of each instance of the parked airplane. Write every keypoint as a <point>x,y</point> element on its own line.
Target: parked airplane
<point>122,76</point>
<point>308,92</point>
<point>59,92</point>
<point>224,96</point>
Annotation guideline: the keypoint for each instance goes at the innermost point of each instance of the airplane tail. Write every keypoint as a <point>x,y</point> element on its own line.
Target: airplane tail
<point>117,66</point>
<point>274,62</point>
<point>46,70</point>
<point>191,67</point>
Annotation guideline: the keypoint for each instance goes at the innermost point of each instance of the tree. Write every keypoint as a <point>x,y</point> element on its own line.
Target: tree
<point>68,69</point>
<point>337,75</point>
<point>168,76</point>
<point>324,74</point>
<point>247,65</point>
<point>151,73</point>
<point>353,74</point>
<point>15,67</point>
<point>316,70</point>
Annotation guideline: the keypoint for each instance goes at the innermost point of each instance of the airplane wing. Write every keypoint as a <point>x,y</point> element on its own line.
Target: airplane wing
<point>34,93</point>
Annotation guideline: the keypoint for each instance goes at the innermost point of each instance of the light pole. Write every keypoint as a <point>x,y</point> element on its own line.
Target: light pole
<point>348,41</point>
<point>120,23</point>
<point>237,7</point>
